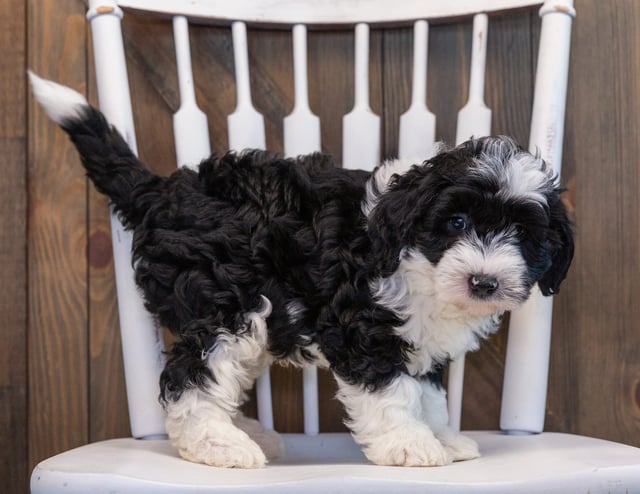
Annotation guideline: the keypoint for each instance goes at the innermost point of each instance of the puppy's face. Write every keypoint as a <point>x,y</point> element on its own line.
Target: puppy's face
<point>486,215</point>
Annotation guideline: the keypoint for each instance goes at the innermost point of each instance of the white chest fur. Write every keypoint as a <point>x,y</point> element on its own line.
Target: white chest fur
<point>436,328</point>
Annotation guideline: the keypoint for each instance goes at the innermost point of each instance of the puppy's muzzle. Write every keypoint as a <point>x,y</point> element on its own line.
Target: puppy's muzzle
<point>482,286</point>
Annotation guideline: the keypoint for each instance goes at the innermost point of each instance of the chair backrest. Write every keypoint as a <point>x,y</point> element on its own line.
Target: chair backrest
<point>526,366</point>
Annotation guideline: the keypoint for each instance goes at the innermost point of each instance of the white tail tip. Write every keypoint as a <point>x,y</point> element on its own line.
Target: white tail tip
<point>60,102</point>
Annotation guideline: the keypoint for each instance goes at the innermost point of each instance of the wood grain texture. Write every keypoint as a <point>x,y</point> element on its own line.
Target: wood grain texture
<point>397,76</point>
<point>331,84</point>
<point>595,364</point>
<point>14,462</point>
<point>76,384</point>
<point>58,417</point>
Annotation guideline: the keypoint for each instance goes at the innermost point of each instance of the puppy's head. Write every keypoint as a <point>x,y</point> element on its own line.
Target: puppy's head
<point>488,218</point>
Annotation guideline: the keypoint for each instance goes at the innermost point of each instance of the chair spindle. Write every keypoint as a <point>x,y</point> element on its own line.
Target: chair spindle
<point>361,127</point>
<point>190,126</point>
<point>246,125</point>
<point>418,124</point>
<point>301,126</point>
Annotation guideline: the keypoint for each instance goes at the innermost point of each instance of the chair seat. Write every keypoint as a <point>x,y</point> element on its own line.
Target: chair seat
<point>548,462</point>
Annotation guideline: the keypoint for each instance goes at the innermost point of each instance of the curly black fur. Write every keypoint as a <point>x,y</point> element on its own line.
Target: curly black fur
<point>209,243</point>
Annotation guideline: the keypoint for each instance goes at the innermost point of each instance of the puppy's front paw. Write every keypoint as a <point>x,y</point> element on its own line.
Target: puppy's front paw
<point>408,448</point>
<point>269,440</point>
<point>460,447</point>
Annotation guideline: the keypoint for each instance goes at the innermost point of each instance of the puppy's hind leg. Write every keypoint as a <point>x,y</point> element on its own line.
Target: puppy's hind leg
<point>203,432</point>
<point>200,420</point>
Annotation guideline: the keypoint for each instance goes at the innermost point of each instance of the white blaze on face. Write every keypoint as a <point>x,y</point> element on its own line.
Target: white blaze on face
<point>498,257</point>
<point>435,327</point>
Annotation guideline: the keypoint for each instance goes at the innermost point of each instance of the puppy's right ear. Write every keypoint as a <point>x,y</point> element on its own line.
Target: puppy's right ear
<point>561,245</point>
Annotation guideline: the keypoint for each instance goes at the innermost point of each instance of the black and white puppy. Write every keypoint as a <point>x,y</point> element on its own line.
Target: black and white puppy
<point>382,277</point>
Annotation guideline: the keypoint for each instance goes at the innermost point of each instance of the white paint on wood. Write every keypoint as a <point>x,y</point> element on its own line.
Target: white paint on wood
<point>190,127</point>
<point>332,12</point>
<point>246,125</point>
<point>361,127</point>
<point>142,345</point>
<point>474,119</point>
<point>301,126</point>
<point>418,124</point>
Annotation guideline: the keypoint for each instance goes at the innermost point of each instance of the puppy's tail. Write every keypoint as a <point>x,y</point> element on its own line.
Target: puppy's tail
<point>110,163</point>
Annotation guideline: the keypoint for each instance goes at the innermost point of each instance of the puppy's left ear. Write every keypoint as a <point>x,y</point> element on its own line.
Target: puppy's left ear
<point>390,222</point>
<point>561,245</point>
<point>387,229</point>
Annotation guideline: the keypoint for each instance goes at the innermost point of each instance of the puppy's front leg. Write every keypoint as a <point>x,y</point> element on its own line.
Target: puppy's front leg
<point>435,413</point>
<point>388,424</point>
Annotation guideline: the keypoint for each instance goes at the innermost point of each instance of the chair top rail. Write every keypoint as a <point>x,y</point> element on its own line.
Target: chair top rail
<point>319,13</point>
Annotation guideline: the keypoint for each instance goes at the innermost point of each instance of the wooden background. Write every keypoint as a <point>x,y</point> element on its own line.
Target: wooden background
<point>61,382</point>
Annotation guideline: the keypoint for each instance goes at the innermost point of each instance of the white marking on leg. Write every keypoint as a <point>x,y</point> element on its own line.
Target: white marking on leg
<point>200,423</point>
<point>269,440</point>
<point>434,413</point>
<point>202,432</point>
<point>388,424</point>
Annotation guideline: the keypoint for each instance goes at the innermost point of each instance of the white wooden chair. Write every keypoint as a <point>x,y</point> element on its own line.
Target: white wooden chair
<point>520,458</point>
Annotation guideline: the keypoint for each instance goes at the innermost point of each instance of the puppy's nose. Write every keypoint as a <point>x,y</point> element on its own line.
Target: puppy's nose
<point>482,285</point>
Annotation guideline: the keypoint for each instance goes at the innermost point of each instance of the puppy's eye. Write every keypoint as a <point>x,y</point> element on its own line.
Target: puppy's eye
<point>457,224</point>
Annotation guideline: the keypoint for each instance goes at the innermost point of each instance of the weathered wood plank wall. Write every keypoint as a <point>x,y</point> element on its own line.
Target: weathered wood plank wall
<point>14,462</point>
<point>61,379</point>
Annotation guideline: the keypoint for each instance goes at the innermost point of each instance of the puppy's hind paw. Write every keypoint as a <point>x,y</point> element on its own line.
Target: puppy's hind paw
<point>245,454</point>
